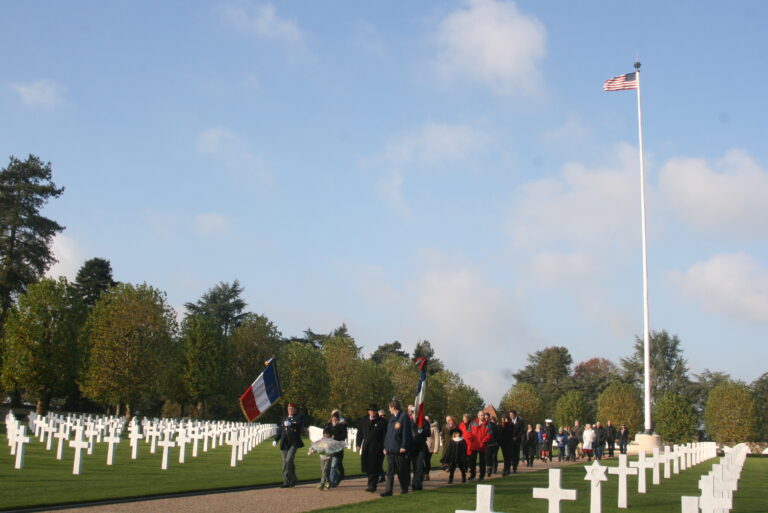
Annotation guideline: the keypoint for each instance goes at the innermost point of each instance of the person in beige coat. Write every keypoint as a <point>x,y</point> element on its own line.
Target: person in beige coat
<point>433,444</point>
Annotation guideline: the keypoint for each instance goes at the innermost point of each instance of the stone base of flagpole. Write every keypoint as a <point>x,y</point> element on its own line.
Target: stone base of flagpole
<point>645,443</point>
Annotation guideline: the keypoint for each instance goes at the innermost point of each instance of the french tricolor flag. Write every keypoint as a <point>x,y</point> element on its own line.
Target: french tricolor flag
<point>421,392</point>
<point>263,393</point>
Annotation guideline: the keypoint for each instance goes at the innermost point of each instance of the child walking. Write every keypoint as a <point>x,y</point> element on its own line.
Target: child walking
<point>328,449</point>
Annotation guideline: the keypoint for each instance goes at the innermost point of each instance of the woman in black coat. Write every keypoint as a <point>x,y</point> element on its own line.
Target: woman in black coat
<point>370,442</point>
<point>530,445</point>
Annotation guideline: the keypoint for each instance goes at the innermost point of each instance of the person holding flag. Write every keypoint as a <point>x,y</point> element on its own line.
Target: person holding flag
<point>289,439</point>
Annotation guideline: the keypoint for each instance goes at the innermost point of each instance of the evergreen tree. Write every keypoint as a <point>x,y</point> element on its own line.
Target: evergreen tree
<point>304,378</point>
<point>674,418</point>
<point>42,354</point>
<point>205,360</point>
<point>25,235</point>
<point>385,350</point>
<point>222,303</point>
<point>424,349</point>
<point>669,370</point>
<point>253,342</point>
<point>549,371</point>
<point>731,414</point>
<point>93,278</point>
<point>760,391</point>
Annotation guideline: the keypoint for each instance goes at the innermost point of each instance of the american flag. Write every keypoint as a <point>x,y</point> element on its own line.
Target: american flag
<point>620,83</point>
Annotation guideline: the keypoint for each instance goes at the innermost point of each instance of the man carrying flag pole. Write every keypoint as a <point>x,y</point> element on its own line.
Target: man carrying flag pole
<point>421,429</point>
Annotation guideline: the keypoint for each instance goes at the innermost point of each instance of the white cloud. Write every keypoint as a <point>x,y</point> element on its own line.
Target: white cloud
<point>728,197</point>
<point>70,257</point>
<point>552,268</point>
<point>389,189</point>
<point>233,152</point>
<point>436,143</point>
<point>492,43</point>
<point>571,132</point>
<point>582,207</point>
<point>732,284</point>
<point>261,21</point>
<point>40,93</point>
<point>212,224</point>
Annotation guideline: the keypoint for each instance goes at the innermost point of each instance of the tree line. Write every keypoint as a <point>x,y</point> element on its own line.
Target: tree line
<point>95,344</point>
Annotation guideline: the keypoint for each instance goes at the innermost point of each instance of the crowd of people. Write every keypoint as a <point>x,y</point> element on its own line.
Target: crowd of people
<point>403,445</point>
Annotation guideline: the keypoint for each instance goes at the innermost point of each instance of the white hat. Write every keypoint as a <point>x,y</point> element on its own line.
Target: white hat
<point>548,420</point>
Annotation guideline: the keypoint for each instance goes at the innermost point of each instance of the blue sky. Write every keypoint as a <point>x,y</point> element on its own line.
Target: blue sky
<point>450,171</point>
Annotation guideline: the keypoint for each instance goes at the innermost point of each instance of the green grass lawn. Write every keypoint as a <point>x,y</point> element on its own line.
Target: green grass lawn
<point>46,481</point>
<point>514,495</point>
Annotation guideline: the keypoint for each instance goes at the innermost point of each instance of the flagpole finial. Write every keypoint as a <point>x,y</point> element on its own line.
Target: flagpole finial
<point>637,65</point>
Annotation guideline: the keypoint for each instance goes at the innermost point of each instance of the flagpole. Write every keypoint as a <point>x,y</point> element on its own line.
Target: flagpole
<point>646,322</point>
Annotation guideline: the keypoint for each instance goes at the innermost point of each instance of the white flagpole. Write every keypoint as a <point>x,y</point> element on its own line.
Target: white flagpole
<point>646,322</point>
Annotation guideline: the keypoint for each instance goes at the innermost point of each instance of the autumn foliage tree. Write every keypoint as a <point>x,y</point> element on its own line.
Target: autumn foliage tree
<point>620,403</point>
<point>304,378</point>
<point>130,332</point>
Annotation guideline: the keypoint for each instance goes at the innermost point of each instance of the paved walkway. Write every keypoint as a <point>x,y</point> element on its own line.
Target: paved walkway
<point>303,497</point>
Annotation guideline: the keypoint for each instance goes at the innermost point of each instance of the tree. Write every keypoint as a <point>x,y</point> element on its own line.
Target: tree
<point>731,414</point>
<point>25,235</point>
<point>702,386</point>
<point>620,403</point>
<point>404,376</point>
<point>674,418</point>
<point>223,303</point>
<point>42,354</point>
<point>345,371</point>
<point>253,342</point>
<point>461,398</point>
<point>93,278</point>
<point>376,385</point>
<point>205,360</point>
<point>424,349</point>
<point>130,333</point>
<point>571,406</point>
<point>669,371</point>
<point>304,378</point>
<point>549,371</point>
<point>524,398</point>
<point>591,378</point>
<point>760,391</point>
<point>385,350</point>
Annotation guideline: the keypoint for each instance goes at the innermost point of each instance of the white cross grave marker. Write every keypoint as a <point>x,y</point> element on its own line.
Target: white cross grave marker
<point>112,440</point>
<point>166,444</point>
<point>667,462</point>
<point>63,434</point>
<point>656,475</point>
<point>181,441</point>
<point>641,464</point>
<point>709,502</point>
<point>623,470</point>
<point>689,504</point>
<point>78,444</point>
<point>484,500</point>
<point>20,442</point>
<point>596,474</point>
<point>555,493</point>
<point>134,434</point>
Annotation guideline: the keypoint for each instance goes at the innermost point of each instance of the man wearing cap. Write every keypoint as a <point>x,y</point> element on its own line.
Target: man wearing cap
<point>370,443</point>
<point>289,438</point>
<point>398,442</point>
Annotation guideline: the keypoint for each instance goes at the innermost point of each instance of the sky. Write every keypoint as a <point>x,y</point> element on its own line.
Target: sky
<point>450,171</point>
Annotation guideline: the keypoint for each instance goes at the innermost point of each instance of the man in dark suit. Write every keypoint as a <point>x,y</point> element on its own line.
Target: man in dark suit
<point>289,438</point>
<point>518,431</point>
<point>398,443</point>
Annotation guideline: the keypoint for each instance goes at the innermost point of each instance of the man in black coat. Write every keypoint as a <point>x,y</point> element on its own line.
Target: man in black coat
<point>600,438</point>
<point>513,436</point>
<point>289,439</point>
<point>610,437</point>
<point>370,442</point>
<point>420,450</point>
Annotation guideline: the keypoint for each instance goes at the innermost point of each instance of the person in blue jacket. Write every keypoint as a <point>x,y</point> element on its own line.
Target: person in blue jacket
<point>398,444</point>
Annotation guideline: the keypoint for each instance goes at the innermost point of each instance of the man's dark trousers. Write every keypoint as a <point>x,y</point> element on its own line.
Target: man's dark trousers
<point>398,464</point>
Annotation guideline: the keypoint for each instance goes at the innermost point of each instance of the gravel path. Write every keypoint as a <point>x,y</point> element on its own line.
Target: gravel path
<point>303,497</point>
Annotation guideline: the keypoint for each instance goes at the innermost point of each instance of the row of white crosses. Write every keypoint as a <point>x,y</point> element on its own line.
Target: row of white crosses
<point>674,459</point>
<point>165,433</point>
<point>718,485</point>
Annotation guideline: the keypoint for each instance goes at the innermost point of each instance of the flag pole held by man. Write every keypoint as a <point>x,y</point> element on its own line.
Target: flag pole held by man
<point>263,392</point>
